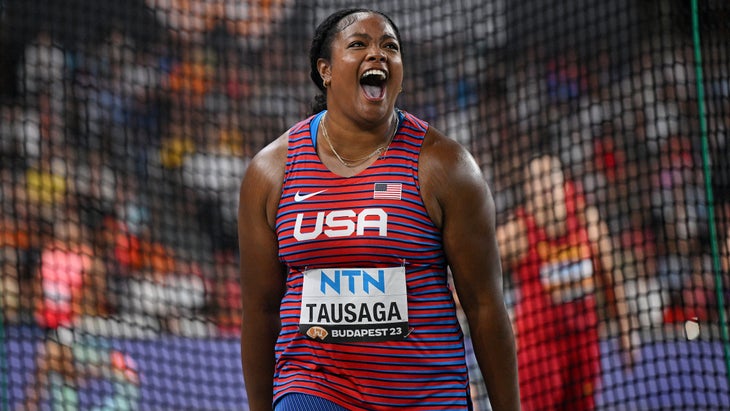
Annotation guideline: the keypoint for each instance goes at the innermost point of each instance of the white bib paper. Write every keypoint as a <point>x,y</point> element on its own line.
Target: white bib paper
<point>354,304</point>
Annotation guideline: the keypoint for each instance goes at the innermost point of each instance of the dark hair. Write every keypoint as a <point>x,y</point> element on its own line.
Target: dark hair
<point>321,47</point>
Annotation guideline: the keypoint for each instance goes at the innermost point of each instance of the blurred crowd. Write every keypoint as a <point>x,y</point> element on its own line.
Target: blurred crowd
<point>122,160</point>
<point>120,164</point>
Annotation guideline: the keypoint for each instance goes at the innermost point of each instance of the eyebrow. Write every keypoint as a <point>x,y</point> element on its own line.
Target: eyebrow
<point>383,37</point>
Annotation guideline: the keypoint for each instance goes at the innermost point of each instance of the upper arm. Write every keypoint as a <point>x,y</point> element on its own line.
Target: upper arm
<point>461,204</point>
<point>262,273</point>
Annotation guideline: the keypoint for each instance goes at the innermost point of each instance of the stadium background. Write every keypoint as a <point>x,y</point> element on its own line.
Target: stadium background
<point>125,127</point>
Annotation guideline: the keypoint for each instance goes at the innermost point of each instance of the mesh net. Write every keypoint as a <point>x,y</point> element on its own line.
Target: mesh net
<point>125,128</point>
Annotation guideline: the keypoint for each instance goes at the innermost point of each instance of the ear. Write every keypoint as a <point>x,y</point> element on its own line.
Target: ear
<point>325,70</point>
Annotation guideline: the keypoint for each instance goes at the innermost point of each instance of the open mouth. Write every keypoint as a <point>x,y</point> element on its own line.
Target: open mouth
<point>373,83</point>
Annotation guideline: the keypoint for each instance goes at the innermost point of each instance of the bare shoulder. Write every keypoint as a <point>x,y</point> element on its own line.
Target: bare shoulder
<point>443,160</point>
<point>271,160</point>
<point>448,174</point>
<point>261,185</point>
<point>438,149</point>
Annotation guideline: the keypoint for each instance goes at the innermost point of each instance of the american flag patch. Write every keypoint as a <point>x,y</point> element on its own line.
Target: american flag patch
<point>391,191</point>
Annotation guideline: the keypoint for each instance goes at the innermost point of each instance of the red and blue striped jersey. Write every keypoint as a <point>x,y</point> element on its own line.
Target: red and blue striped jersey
<point>375,219</point>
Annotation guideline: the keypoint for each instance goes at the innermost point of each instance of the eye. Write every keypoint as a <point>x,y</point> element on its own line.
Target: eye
<point>357,43</point>
<point>392,46</point>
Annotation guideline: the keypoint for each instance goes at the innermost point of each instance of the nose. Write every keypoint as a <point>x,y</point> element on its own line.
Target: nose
<point>375,53</point>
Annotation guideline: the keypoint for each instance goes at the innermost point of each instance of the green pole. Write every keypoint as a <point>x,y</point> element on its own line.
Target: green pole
<point>708,186</point>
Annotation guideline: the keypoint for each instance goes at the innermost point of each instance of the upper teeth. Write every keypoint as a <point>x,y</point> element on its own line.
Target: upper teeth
<point>374,72</point>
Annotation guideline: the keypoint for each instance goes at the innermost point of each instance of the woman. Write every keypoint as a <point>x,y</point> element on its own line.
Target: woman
<point>346,224</point>
<point>561,255</point>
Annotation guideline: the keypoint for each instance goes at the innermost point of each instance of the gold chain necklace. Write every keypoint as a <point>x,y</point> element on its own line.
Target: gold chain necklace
<point>356,162</point>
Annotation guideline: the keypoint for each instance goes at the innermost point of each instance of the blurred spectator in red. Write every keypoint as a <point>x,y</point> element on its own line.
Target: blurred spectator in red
<point>64,267</point>
<point>562,258</point>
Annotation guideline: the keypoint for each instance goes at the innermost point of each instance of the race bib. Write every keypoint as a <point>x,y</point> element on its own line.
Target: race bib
<point>568,280</point>
<point>354,304</point>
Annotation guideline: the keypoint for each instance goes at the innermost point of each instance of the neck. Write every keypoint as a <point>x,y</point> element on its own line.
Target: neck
<point>353,147</point>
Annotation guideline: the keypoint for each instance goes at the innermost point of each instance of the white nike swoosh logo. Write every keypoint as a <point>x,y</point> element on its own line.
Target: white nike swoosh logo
<point>301,197</point>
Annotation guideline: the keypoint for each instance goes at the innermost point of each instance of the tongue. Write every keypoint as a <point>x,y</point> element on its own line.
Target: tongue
<point>372,91</point>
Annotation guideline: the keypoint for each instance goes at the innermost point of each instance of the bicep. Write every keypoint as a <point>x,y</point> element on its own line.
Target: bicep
<point>460,204</point>
<point>475,265</point>
<point>470,238</point>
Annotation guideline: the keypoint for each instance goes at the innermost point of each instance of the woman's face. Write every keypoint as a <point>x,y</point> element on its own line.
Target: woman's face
<point>365,72</point>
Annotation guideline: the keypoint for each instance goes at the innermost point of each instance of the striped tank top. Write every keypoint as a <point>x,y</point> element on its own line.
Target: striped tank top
<point>368,319</point>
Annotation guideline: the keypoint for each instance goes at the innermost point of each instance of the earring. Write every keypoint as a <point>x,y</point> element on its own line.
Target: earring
<point>326,83</point>
<point>400,90</point>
